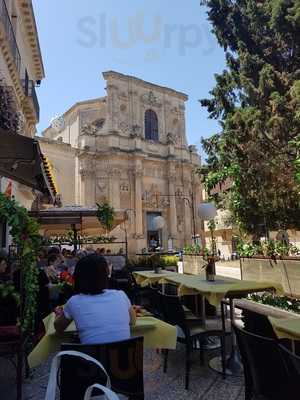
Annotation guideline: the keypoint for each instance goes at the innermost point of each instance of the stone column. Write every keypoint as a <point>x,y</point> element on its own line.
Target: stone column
<point>138,173</point>
<point>114,188</point>
<point>196,188</point>
<point>187,213</point>
<point>87,182</point>
<point>172,209</point>
<point>112,106</point>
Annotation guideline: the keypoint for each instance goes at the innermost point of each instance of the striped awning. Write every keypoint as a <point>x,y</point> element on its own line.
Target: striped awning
<point>21,160</point>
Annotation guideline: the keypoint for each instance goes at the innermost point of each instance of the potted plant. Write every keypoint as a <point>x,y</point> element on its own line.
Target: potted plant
<point>156,263</point>
<point>106,215</point>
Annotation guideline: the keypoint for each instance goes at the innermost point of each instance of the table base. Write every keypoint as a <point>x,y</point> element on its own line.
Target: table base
<point>234,366</point>
<point>210,343</point>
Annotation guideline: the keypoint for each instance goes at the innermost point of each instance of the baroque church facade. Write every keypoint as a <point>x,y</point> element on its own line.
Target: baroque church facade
<point>130,148</point>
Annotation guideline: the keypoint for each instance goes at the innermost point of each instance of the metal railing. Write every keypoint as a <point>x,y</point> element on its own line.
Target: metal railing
<point>29,90</point>
<point>10,34</point>
<point>32,94</point>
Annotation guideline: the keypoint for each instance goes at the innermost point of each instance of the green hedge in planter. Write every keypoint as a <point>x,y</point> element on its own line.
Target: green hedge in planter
<point>149,262</point>
<point>283,302</point>
<point>268,248</point>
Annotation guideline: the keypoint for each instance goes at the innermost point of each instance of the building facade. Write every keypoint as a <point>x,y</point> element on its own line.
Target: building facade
<point>21,70</point>
<point>130,148</point>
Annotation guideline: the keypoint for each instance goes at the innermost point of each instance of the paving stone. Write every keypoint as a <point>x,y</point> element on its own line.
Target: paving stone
<point>205,384</point>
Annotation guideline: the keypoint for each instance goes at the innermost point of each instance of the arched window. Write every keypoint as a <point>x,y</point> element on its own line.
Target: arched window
<point>151,125</point>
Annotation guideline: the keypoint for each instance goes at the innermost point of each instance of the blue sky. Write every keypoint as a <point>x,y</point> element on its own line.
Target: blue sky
<point>164,42</point>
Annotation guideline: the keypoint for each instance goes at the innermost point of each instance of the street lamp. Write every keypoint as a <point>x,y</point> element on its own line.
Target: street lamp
<point>158,223</point>
<point>207,211</point>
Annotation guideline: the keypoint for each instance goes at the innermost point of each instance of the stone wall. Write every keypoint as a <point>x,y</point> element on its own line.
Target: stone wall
<point>113,161</point>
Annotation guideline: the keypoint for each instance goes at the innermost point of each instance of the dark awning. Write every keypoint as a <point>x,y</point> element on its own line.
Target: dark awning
<point>57,220</point>
<point>21,159</point>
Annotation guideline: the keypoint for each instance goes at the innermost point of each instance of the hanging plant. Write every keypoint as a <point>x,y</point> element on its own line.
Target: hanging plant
<point>7,289</point>
<point>25,234</point>
<point>106,215</point>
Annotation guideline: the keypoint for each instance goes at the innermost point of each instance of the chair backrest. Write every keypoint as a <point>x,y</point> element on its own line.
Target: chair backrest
<point>264,366</point>
<point>123,362</point>
<point>173,311</point>
<point>292,361</point>
<point>154,301</point>
<point>8,311</point>
<point>170,289</point>
<point>257,323</point>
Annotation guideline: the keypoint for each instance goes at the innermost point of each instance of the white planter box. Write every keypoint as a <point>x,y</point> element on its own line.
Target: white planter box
<point>193,265</point>
<point>285,272</point>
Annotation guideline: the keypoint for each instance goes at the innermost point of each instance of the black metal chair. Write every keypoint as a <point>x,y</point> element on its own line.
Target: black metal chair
<point>266,372</point>
<point>189,333</point>
<point>13,348</point>
<point>292,360</point>
<point>123,362</point>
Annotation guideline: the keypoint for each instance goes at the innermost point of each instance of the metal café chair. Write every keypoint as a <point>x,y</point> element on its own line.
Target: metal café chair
<point>292,360</point>
<point>266,372</point>
<point>190,333</point>
<point>12,348</point>
<point>122,360</point>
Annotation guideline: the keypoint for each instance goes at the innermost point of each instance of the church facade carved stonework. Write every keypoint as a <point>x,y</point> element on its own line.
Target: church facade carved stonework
<point>140,165</point>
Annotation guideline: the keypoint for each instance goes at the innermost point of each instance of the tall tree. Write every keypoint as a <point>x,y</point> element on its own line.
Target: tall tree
<point>257,101</point>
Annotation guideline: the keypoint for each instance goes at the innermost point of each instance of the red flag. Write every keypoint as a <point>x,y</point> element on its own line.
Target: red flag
<point>8,190</point>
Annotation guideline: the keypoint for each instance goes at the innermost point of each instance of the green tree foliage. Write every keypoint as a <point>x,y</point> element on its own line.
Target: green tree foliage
<point>257,101</point>
<point>106,215</point>
<point>25,233</point>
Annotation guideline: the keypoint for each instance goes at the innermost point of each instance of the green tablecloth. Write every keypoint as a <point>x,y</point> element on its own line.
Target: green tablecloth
<point>286,328</point>
<point>214,292</point>
<point>157,335</point>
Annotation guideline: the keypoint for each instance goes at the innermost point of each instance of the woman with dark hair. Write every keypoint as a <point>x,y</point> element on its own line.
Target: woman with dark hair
<point>101,315</point>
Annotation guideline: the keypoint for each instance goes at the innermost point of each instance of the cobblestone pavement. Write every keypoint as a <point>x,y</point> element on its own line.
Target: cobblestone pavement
<point>229,268</point>
<point>205,384</point>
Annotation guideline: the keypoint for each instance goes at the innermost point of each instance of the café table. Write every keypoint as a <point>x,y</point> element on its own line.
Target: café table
<point>286,328</point>
<point>157,335</point>
<point>214,291</point>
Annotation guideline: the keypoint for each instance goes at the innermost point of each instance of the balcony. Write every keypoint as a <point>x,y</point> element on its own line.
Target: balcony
<point>31,97</point>
<point>10,35</point>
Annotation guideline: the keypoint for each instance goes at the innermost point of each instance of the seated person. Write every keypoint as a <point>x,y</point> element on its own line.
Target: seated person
<point>52,270</point>
<point>4,270</point>
<point>101,315</point>
<point>118,263</point>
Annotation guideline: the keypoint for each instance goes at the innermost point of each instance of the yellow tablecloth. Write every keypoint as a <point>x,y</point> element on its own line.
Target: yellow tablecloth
<point>214,292</point>
<point>286,328</point>
<point>145,278</point>
<point>157,335</point>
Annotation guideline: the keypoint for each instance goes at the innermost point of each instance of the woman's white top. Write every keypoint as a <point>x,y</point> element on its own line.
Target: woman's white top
<point>101,318</point>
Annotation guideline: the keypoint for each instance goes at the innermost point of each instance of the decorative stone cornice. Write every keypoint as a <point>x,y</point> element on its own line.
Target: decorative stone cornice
<point>147,85</point>
<point>112,87</point>
<point>30,28</point>
<point>151,100</point>
<point>136,131</point>
<point>138,173</point>
<point>85,173</point>
<point>88,130</point>
<point>115,172</point>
